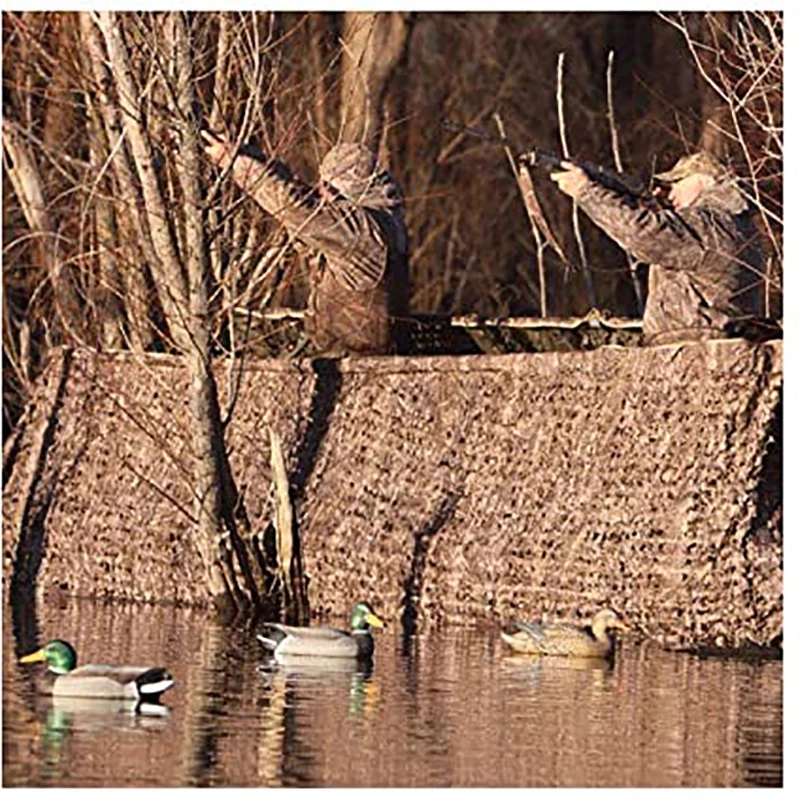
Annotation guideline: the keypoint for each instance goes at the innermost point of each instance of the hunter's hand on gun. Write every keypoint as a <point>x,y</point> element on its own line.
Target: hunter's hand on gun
<point>571,180</point>
<point>219,150</point>
<point>247,163</point>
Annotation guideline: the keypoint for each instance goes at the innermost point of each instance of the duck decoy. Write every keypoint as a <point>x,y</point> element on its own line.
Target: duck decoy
<point>562,639</point>
<point>287,640</point>
<point>65,679</point>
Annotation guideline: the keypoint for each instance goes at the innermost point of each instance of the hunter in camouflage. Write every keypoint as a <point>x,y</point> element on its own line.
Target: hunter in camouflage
<point>706,268</point>
<point>353,225</point>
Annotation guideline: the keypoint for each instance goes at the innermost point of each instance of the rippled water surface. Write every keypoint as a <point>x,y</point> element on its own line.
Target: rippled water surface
<point>449,708</point>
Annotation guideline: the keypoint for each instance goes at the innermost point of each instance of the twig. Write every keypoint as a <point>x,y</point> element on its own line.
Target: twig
<point>637,287</point>
<point>562,128</point>
<point>283,508</point>
<point>535,215</point>
<point>611,121</point>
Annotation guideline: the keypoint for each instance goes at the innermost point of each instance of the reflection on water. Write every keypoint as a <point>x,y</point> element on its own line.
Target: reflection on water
<point>447,708</point>
<point>296,692</point>
<point>66,715</point>
<point>89,712</point>
<point>326,673</point>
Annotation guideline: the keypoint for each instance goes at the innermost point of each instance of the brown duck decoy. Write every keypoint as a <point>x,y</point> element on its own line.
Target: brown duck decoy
<point>561,639</point>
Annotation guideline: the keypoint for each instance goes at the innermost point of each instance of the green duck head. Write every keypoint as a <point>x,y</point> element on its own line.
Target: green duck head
<point>364,617</point>
<point>60,656</point>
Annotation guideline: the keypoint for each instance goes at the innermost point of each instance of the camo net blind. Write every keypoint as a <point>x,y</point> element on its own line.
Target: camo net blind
<point>463,489</point>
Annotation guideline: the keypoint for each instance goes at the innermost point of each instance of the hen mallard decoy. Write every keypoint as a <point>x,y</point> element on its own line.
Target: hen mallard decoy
<point>65,679</point>
<point>561,639</point>
<point>286,640</point>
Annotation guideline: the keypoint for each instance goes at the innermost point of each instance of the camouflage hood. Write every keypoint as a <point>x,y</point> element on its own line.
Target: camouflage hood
<point>701,163</point>
<point>723,191</point>
<point>352,170</point>
<point>724,195</point>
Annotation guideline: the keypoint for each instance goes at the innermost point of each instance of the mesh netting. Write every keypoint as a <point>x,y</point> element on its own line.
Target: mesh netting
<point>459,489</point>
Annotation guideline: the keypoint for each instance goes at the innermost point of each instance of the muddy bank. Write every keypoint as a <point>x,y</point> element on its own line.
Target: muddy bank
<point>459,489</point>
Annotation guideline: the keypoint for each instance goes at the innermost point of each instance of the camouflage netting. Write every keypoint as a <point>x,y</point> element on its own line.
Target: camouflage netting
<point>454,489</point>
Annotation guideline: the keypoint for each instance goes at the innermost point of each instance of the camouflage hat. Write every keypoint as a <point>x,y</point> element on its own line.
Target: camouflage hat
<point>701,163</point>
<point>353,170</point>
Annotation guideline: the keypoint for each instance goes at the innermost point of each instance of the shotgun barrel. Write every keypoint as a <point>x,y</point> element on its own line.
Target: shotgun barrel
<point>632,189</point>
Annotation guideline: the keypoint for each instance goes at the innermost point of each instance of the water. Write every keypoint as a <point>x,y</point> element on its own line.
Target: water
<point>449,708</point>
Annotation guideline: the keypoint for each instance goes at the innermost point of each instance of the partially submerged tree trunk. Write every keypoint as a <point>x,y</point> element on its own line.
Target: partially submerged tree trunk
<point>209,447</point>
<point>171,222</point>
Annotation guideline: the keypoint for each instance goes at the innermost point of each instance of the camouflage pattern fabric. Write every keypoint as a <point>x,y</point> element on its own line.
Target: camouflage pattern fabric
<point>355,229</point>
<point>706,266</point>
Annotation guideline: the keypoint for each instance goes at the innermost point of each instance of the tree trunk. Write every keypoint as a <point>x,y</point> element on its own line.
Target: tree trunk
<point>27,181</point>
<point>131,229</point>
<point>173,224</point>
<point>224,553</point>
<point>373,45</point>
<point>171,281</point>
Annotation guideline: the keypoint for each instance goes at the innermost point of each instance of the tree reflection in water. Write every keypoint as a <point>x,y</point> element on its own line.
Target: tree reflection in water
<point>439,708</point>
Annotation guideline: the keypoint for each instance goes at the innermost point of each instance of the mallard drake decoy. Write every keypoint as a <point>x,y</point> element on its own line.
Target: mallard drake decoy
<point>286,640</point>
<point>65,679</point>
<point>560,639</point>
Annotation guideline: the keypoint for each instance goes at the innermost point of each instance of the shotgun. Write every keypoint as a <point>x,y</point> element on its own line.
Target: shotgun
<point>631,189</point>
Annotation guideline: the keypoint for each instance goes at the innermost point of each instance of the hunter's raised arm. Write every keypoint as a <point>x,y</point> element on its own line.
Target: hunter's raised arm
<point>348,234</point>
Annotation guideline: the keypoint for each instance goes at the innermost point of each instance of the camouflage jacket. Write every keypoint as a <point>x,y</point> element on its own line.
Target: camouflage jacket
<point>706,266</point>
<point>359,265</point>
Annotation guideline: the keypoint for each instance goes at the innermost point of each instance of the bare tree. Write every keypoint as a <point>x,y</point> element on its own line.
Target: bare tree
<point>140,84</point>
<point>164,252</point>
